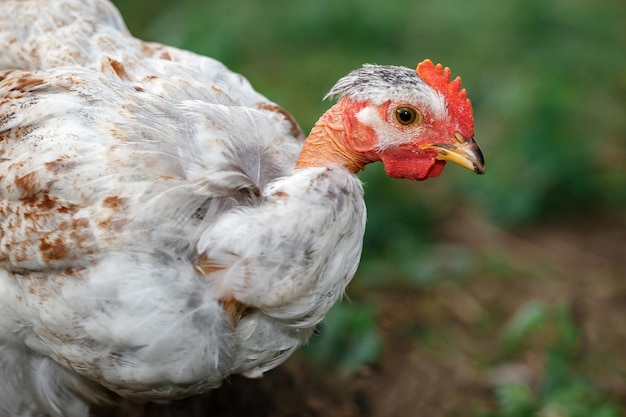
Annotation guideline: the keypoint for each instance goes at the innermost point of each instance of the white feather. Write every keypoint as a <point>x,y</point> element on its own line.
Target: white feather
<point>122,163</point>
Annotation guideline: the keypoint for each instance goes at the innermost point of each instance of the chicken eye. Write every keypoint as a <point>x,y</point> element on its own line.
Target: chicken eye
<point>408,115</point>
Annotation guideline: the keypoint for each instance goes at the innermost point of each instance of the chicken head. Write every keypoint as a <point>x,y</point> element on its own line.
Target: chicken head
<point>412,121</point>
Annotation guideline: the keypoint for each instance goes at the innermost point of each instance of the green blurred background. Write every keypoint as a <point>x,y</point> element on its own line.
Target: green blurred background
<point>548,84</point>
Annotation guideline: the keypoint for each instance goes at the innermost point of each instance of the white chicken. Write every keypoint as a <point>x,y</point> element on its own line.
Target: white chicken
<point>162,224</point>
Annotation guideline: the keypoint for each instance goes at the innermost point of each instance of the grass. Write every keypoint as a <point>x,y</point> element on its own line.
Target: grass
<point>562,390</point>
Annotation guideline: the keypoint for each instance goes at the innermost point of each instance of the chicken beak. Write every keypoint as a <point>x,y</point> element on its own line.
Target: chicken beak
<point>465,153</point>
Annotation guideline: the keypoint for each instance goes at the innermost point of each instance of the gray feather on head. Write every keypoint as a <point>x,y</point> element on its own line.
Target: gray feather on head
<point>378,83</point>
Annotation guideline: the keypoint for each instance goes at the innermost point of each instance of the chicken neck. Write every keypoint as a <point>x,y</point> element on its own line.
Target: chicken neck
<point>339,139</point>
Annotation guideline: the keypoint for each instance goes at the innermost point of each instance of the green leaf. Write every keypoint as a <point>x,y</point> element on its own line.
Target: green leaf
<point>531,317</point>
<point>515,400</point>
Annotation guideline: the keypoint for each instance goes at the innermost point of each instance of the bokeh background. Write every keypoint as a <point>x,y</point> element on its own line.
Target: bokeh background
<point>502,295</point>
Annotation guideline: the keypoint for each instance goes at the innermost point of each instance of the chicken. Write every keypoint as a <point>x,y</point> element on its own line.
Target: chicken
<point>162,224</point>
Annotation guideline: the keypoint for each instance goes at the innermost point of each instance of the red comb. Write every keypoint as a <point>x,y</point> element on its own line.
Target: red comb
<point>459,106</point>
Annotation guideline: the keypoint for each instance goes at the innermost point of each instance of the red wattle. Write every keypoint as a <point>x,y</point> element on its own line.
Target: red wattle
<point>419,165</point>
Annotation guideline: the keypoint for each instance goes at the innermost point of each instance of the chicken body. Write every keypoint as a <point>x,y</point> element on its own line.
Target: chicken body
<point>140,187</point>
<point>159,226</point>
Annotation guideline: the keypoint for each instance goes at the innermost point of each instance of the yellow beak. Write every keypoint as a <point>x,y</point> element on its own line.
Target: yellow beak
<point>466,153</point>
